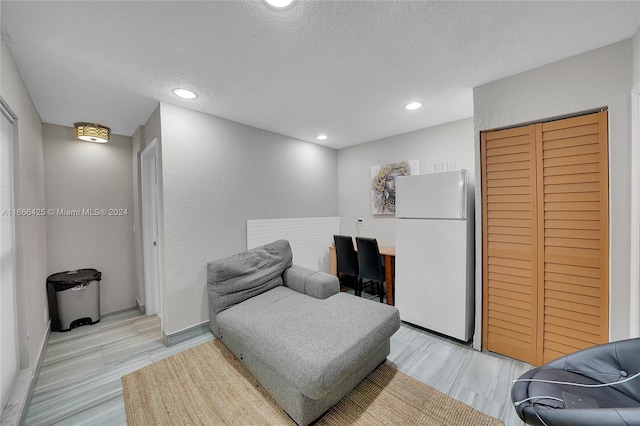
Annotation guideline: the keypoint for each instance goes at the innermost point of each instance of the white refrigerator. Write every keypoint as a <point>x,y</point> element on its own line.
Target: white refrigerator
<point>434,274</point>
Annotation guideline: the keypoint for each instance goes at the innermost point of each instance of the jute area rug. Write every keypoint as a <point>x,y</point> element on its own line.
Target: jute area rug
<point>208,385</point>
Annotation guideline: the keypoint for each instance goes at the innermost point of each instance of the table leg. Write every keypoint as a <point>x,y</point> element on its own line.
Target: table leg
<point>389,274</point>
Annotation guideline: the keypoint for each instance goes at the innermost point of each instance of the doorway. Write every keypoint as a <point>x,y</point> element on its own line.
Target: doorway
<point>149,168</point>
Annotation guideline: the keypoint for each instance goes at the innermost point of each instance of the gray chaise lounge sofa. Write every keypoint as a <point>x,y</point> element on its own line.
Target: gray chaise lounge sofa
<point>304,341</point>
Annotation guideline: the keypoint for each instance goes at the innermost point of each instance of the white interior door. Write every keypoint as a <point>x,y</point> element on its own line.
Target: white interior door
<point>9,355</point>
<point>150,229</point>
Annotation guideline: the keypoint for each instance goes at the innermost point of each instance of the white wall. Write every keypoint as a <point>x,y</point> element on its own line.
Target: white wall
<point>635,190</point>
<point>141,138</point>
<point>448,142</point>
<point>31,238</point>
<point>216,174</point>
<point>86,175</point>
<point>151,130</point>
<point>136,141</point>
<point>599,78</point>
<point>636,56</point>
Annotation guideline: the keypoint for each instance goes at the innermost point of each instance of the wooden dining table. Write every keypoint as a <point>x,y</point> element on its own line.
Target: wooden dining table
<point>389,255</point>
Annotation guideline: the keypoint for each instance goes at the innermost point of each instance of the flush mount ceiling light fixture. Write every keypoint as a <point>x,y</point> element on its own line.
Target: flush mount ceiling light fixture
<point>322,137</point>
<point>279,4</point>
<point>92,132</point>
<point>413,106</point>
<point>184,93</point>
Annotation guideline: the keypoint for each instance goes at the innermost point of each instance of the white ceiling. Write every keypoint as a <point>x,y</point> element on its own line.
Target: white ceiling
<point>344,68</point>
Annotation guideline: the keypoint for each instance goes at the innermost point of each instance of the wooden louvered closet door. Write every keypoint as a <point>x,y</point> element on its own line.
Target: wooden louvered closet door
<point>509,242</point>
<point>573,194</point>
<point>545,238</point>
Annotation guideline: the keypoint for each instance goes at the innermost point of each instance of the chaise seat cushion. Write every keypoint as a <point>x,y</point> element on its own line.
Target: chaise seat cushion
<point>313,343</point>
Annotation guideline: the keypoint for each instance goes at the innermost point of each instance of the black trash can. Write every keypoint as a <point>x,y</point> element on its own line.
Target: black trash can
<point>74,298</point>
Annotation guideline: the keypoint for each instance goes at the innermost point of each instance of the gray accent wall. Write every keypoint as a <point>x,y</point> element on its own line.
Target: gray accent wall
<point>595,79</point>
<point>85,175</point>
<point>216,174</point>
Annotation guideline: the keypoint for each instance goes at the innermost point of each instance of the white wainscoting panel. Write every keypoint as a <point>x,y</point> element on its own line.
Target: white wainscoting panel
<point>310,237</point>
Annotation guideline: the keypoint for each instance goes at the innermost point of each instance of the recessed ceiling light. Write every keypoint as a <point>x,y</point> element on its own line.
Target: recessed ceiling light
<point>280,4</point>
<point>413,106</point>
<point>184,93</point>
<point>322,137</point>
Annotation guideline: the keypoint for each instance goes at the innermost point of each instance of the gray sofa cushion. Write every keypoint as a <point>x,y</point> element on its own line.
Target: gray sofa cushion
<point>237,278</point>
<point>313,283</point>
<point>314,343</point>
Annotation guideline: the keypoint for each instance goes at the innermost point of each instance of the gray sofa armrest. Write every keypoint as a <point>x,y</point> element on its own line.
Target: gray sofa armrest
<point>313,283</point>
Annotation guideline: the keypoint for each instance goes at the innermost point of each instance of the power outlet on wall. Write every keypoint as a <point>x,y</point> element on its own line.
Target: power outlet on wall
<point>360,222</point>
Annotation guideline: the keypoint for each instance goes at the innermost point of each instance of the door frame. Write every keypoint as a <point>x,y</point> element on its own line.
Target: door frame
<point>12,347</point>
<point>634,281</point>
<point>150,206</point>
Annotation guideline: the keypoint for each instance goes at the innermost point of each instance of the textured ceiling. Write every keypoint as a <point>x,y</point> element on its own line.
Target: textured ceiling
<point>345,68</point>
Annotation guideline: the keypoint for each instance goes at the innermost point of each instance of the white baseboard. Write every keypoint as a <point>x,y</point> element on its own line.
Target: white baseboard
<point>15,411</point>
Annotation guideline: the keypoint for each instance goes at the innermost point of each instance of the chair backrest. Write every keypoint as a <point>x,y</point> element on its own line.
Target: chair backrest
<point>369,261</point>
<point>347,259</point>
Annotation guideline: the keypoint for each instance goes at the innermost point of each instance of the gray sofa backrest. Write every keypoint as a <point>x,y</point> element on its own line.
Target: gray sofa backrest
<point>237,278</point>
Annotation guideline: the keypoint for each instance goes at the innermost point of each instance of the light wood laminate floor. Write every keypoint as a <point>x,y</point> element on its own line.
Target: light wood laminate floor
<point>79,383</point>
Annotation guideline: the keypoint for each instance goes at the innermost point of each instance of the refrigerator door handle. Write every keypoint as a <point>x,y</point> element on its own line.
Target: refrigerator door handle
<point>463,194</point>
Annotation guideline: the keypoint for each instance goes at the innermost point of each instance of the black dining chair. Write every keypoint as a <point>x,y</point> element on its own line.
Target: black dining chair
<point>347,260</point>
<point>370,266</point>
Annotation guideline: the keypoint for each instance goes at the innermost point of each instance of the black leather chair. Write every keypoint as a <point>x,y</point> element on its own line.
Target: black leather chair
<point>347,260</point>
<point>595,386</point>
<point>370,265</point>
